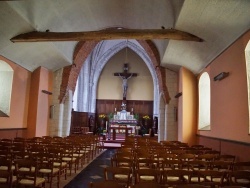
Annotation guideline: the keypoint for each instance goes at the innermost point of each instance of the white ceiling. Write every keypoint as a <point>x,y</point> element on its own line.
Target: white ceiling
<point>218,22</point>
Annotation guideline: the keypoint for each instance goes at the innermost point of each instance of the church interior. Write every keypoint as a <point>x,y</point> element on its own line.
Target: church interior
<point>101,78</point>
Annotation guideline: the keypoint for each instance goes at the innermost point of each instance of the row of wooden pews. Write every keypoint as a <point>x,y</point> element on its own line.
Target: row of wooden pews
<point>40,160</point>
<point>145,162</point>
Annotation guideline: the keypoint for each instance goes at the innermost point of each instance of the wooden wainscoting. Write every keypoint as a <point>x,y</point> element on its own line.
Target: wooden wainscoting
<point>80,122</point>
<point>240,149</point>
<point>13,133</point>
<point>139,107</point>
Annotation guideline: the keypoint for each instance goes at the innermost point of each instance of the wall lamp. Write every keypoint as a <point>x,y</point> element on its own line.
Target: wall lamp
<point>47,92</point>
<point>221,76</point>
<point>178,95</point>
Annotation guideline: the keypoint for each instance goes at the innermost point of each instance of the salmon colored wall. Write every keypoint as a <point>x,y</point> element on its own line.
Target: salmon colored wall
<point>229,99</point>
<point>43,102</point>
<point>16,124</point>
<point>39,103</point>
<point>34,87</point>
<point>229,103</point>
<point>187,124</point>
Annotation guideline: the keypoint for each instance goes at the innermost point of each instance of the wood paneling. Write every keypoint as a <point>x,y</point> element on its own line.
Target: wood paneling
<point>13,133</point>
<point>227,146</point>
<point>78,119</point>
<point>139,107</point>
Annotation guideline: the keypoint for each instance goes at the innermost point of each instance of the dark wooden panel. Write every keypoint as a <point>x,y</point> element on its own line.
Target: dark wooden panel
<point>139,107</point>
<point>78,119</point>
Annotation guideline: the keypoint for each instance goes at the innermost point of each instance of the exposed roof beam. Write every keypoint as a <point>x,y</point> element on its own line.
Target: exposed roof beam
<point>145,34</point>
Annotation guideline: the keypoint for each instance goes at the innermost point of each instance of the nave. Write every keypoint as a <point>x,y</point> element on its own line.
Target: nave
<point>139,160</point>
<point>93,172</point>
<point>147,163</point>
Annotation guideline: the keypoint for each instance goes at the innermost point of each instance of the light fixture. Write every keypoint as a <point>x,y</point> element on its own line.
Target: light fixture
<point>221,76</point>
<point>47,92</point>
<point>178,95</point>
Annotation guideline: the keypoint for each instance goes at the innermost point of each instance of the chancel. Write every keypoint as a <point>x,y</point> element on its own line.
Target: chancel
<point>123,114</point>
<point>123,119</point>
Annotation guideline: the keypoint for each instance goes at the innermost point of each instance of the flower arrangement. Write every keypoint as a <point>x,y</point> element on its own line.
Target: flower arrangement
<point>102,116</point>
<point>146,117</point>
<point>136,116</point>
<point>110,115</point>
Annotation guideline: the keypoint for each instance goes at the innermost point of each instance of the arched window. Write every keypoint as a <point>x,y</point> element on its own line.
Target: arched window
<point>204,102</point>
<point>6,78</point>
<point>247,54</point>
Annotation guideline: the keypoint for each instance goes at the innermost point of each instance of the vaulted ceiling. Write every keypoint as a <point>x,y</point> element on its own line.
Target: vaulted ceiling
<point>218,22</point>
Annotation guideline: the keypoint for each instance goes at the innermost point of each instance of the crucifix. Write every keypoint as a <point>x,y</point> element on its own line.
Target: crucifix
<point>125,76</point>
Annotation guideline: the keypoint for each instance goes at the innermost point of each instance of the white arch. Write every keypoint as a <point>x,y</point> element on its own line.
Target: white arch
<point>162,122</point>
<point>6,78</point>
<point>96,70</point>
<point>204,102</point>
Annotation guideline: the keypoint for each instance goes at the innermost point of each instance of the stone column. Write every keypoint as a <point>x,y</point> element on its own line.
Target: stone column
<point>54,122</point>
<point>67,114</point>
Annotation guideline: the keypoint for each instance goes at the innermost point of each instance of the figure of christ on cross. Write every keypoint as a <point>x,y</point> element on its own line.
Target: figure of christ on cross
<point>125,76</point>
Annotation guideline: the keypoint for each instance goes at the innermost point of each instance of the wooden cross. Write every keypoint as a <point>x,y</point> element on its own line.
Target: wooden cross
<point>125,76</point>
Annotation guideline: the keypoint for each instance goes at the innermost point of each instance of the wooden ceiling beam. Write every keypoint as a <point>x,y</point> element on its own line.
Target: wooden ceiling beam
<point>145,34</point>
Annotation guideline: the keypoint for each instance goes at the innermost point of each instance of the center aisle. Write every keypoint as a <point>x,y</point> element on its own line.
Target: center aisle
<point>93,172</point>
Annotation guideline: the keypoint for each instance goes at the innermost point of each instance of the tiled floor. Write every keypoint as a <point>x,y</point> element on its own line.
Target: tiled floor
<point>92,172</point>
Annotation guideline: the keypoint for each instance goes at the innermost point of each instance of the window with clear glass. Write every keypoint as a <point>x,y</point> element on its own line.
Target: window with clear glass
<point>247,54</point>
<point>6,77</point>
<point>204,102</point>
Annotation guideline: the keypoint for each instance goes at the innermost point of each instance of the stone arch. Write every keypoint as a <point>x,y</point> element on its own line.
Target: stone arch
<point>162,118</point>
<point>70,73</point>
<point>83,49</point>
<point>105,58</point>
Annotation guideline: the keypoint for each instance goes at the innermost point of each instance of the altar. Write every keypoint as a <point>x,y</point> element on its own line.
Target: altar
<point>124,117</point>
<point>123,122</point>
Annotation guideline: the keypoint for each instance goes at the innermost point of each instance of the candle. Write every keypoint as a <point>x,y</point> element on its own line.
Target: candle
<point>115,109</point>
<point>132,109</point>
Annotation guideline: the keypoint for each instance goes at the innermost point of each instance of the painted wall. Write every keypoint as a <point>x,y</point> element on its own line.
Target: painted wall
<point>229,100</point>
<point>39,102</point>
<point>188,103</point>
<point>19,100</point>
<point>139,88</point>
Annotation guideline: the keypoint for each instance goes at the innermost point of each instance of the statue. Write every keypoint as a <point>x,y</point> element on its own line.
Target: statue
<point>125,84</point>
<point>125,76</point>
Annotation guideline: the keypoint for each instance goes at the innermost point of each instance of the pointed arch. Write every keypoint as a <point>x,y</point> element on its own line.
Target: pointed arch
<point>97,69</point>
<point>83,49</point>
